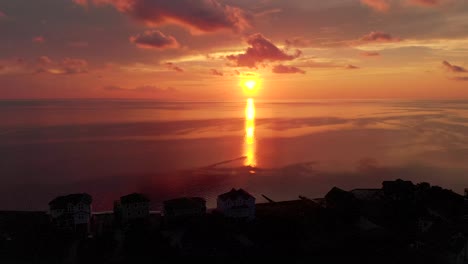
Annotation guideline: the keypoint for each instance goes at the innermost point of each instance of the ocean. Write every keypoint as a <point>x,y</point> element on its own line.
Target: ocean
<point>280,149</point>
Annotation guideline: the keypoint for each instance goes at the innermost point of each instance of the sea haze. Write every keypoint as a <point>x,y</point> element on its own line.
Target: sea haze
<point>109,148</point>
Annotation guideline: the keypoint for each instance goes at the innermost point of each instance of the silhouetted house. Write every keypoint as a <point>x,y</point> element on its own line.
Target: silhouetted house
<point>368,195</point>
<point>338,198</point>
<point>236,204</point>
<point>71,212</point>
<point>343,206</point>
<point>131,207</point>
<point>183,208</point>
<point>398,190</point>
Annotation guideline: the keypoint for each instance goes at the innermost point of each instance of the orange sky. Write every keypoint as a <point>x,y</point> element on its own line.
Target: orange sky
<point>204,49</point>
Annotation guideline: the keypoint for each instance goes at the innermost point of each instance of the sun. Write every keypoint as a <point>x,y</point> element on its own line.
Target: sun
<point>250,84</point>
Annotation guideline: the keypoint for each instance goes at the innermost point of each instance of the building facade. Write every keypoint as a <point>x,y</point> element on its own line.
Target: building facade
<point>236,204</point>
<point>71,212</point>
<point>131,207</point>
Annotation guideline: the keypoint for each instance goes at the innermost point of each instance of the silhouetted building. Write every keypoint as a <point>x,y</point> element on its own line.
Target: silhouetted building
<point>103,222</point>
<point>183,208</point>
<point>338,198</point>
<point>71,212</point>
<point>236,204</point>
<point>398,190</point>
<point>368,195</point>
<point>131,207</point>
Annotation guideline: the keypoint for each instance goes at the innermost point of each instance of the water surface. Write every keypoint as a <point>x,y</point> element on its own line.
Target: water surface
<point>168,149</point>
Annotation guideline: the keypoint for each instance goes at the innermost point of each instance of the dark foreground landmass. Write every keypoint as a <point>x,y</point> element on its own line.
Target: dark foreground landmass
<point>400,223</point>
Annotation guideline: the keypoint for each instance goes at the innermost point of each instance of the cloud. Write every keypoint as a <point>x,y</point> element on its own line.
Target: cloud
<point>378,5</point>
<point>140,89</point>
<point>154,39</point>
<point>2,14</point>
<point>453,68</point>
<point>459,78</point>
<point>378,36</point>
<point>286,69</point>
<point>172,66</point>
<point>196,15</point>
<point>261,49</point>
<point>216,72</point>
<point>351,67</point>
<point>44,60</point>
<point>385,5</point>
<point>66,67</point>
<point>370,54</point>
<point>429,3</point>
<point>74,66</point>
<point>38,39</point>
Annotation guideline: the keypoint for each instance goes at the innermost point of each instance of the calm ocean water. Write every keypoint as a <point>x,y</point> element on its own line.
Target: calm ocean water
<point>109,148</point>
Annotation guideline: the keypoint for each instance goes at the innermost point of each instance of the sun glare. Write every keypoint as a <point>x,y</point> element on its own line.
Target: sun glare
<point>250,84</point>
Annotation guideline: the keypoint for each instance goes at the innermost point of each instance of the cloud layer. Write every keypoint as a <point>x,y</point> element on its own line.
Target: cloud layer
<point>197,15</point>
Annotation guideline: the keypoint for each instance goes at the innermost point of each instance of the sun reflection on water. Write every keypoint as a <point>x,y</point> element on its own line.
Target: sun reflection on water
<point>249,138</point>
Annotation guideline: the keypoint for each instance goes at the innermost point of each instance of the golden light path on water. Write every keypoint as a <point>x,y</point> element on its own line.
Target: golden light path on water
<point>249,137</point>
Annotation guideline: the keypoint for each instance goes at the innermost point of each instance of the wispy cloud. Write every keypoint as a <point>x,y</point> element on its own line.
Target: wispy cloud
<point>216,72</point>
<point>67,66</point>
<point>174,67</point>
<point>453,68</point>
<point>39,39</point>
<point>351,67</point>
<point>287,69</point>
<point>140,89</point>
<point>369,54</point>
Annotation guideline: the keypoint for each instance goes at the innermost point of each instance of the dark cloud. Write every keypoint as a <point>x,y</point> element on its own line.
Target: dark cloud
<point>453,68</point>
<point>154,39</point>
<point>351,67</point>
<point>286,69</point>
<point>198,15</point>
<point>216,72</point>
<point>174,67</point>
<point>261,49</point>
<point>370,54</point>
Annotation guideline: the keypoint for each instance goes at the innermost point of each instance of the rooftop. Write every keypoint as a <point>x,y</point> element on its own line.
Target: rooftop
<point>234,194</point>
<point>134,198</point>
<point>63,201</point>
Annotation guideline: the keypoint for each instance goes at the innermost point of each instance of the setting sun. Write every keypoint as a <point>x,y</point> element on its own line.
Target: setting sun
<point>250,84</point>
